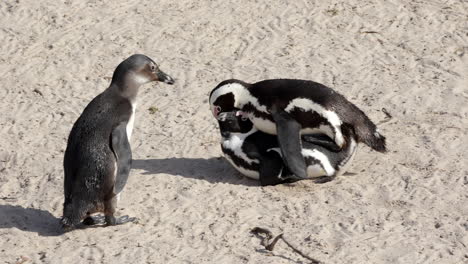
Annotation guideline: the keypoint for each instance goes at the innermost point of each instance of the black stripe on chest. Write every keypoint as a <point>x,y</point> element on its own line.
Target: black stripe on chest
<point>239,161</point>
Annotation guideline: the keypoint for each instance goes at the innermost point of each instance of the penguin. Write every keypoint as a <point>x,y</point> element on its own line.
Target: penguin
<point>290,108</point>
<point>257,155</point>
<point>98,156</point>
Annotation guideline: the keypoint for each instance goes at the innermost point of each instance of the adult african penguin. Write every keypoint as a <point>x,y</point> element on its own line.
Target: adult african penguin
<point>257,155</point>
<point>98,156</point>
<point>288,108</point>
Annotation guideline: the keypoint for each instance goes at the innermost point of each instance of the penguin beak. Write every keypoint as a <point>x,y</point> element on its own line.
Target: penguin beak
<point>242,114</point>
<point>227,116</point>
<point>162,77</point>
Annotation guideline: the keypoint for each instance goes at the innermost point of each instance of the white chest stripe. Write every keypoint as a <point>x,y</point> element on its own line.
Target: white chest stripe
<point>235,142</point>
<point>130,123</point>
<point>330,116</point>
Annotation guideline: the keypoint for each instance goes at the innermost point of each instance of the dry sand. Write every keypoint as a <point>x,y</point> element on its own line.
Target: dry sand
<point>409,57</point>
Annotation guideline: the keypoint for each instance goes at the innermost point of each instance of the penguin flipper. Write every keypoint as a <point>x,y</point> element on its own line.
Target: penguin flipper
<point>322,141</point>
<point>289,139</point>
<point>123,155</point>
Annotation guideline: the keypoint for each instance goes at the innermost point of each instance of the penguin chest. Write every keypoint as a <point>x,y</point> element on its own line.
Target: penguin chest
<point>131,122</point>
<point>237,157</point>
<point>264,125</point>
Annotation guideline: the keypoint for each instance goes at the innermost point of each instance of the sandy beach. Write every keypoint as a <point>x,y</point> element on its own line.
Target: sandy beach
<point>404,63</point>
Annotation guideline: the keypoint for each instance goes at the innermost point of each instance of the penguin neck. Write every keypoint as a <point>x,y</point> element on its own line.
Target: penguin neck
<point>126,87</point>
<point>227,135</point>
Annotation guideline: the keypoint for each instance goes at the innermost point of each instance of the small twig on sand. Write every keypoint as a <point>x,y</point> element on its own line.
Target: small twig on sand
<point>388,116</point>
<point>38,92</point>
<point>385,111</point>
<point>270,246</point>
<point>369,32</point>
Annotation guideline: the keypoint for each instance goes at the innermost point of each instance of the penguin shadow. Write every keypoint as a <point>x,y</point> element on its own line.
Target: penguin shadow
<point>30,220</point>
<point>213,170</point>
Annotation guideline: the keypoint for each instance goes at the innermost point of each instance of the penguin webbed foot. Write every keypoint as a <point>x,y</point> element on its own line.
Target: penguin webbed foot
<point>126,219</point>
<point>67,224</point>
<point>111,220</point>
<point>89,221</point>
<point>93,220</point>
<point>324,179</point>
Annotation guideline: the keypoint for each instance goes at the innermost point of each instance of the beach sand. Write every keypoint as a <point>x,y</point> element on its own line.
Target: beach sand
<point>407,58</point>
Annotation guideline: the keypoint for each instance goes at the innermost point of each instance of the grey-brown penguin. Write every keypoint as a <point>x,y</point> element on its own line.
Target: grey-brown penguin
<point>98,156</point>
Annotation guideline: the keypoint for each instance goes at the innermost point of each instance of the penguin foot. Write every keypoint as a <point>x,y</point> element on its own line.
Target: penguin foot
<point>111,220</point>
<point>93,220</point>
<point>126,219</point>
<point>66,224</point>
<point>324,179</point>
<point>89,221</point>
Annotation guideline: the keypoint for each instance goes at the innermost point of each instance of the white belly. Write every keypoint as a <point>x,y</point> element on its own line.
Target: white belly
<point>344,165</point>
<point>264,125</point>
<point>314,170</point>
<point>115,178</point>
<point>326,169</point>
<point>234,143</point>
<point>130,123</point>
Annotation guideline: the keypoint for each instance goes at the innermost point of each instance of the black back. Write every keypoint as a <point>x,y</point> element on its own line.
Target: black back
<point>88,157</point>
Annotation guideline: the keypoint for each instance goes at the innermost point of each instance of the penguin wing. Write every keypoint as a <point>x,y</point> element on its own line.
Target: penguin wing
<point>289,139</point>
<point>123,155</point>
<point>323,141</point>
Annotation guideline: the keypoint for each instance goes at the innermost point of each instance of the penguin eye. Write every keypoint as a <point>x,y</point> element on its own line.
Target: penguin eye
<point>153,67</point>
<point>244,118</point>
<point>218,108</point>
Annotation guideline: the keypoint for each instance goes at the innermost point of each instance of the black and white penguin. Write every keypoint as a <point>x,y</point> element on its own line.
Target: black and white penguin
<point>289,108</point>
<point>257,155</point>
<point>98,156</point>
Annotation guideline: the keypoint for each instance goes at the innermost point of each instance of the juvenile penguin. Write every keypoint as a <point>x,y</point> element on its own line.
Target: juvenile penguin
<point>98,156</point>
<point>257,155</point>
<point>289,108</point>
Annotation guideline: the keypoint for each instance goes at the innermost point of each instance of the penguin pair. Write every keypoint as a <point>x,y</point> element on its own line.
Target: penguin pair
<point>257,155</point>
<point>98,156</point>
<point>290,108</point>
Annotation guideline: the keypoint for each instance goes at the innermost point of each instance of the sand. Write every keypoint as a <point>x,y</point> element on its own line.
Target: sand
<point>407,57</point>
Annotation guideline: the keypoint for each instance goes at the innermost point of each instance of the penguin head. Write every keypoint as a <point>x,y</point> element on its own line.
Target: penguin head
<point>139,69</point>
<point>233,122</point>
<point>228,96</point>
